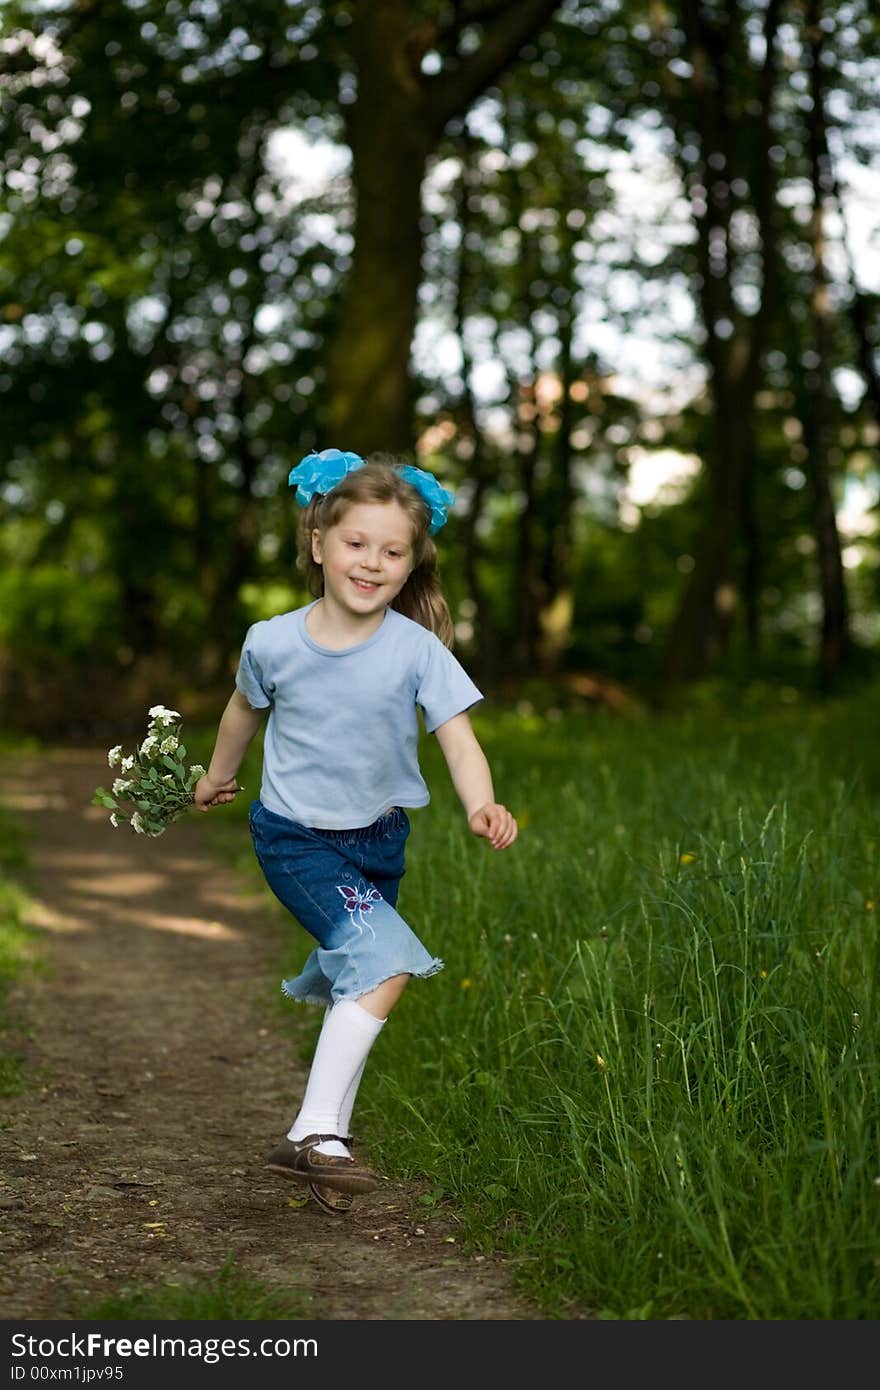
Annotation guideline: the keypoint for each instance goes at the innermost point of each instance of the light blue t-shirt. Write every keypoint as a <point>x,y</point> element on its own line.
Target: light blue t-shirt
<point>341,742</point>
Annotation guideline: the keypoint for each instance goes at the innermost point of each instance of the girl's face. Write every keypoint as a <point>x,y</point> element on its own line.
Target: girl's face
<point>366,557</point>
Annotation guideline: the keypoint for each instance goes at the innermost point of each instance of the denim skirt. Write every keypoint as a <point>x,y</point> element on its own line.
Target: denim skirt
<point>341,885</point>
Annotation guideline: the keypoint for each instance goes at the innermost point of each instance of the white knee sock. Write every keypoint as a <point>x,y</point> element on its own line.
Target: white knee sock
<point>347,1105</point>
<point>344,1043</point>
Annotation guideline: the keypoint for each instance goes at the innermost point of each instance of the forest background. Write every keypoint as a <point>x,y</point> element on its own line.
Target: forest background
<point>609,269</point>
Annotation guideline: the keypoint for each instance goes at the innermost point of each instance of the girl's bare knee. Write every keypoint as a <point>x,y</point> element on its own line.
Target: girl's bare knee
<point>380,1001</point>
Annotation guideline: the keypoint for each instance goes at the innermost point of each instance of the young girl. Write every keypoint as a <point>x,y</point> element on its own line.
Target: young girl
<point>343,679</point>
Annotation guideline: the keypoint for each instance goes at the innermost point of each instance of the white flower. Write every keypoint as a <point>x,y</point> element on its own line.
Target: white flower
<point>153,780</point>
<point>160,715</point>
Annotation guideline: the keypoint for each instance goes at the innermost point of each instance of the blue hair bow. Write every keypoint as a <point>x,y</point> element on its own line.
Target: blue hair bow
<point>318,473</point>
<point>438,499</point>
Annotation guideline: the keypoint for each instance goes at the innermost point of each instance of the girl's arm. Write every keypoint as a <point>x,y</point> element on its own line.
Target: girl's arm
<point>239,722</point>
<point>472,779</point>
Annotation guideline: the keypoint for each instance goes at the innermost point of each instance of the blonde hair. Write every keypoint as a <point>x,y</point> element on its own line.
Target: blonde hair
<point>421,597</point>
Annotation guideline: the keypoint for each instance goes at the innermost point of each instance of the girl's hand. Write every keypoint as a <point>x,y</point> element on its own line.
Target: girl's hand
<point>495,823</point>
<point>207,793</point>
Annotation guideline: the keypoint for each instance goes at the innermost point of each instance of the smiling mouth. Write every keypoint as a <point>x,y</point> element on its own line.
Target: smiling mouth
<point>368,585</point>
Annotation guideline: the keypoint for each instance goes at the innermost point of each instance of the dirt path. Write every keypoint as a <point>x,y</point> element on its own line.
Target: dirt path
<point>160,1086</point>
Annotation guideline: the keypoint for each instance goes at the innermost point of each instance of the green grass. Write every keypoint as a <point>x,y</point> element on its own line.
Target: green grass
<point>16,948</point>
<point>650,1066</point>
<point>649,1071</point>
<point>230,1295</point>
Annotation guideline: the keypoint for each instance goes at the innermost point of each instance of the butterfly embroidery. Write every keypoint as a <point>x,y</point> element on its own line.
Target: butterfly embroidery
<point>359,902</point>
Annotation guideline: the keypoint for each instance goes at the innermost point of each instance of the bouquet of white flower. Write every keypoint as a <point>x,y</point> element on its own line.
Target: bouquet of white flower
<point>156,787</point>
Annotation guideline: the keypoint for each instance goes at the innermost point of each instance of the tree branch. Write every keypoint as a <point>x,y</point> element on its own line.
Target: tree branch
<point>764,188</point>
<point>509,27</point>
<point>462,18</point>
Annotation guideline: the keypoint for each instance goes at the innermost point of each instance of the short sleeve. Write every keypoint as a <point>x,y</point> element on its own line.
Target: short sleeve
<point>251,680</point>
<point>445,688</point>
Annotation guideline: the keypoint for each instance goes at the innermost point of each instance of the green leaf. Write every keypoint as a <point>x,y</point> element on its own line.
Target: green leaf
<point>102,798</point>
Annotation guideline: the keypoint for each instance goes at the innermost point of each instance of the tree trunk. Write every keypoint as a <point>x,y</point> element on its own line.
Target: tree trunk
<point>701,630</point>
<point>764,182</point>
<point>484,633</point>
<point>396,121</point>
<point>752,564</point>
<point>368,376</point>
<point>699,633</point>
<point>245,533</point>
<point>557,613</point>
<point>529,590</point>
<point>834,637</point>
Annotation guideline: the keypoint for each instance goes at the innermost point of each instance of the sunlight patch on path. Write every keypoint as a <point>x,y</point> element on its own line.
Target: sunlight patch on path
<point>40,915</point>
<point>34,801</point>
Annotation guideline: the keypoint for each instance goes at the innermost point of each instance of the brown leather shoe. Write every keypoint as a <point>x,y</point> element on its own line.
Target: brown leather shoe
<point>331,1199</point>
<point>302,1162</point>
